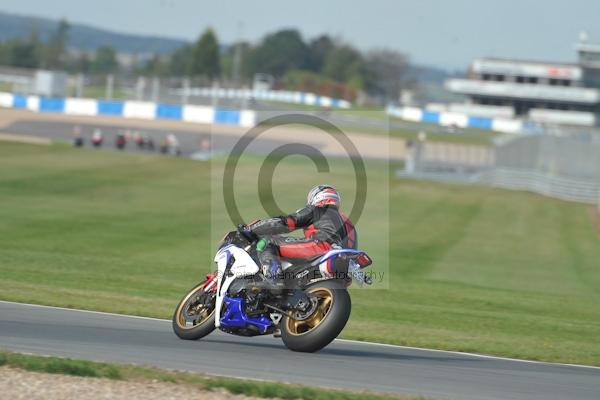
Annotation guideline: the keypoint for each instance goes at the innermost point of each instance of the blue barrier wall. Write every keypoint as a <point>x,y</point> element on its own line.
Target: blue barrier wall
<point>463,120</point>
<point>431,117</point>
<point>169,111</point>
<point>129,109</point>
<point>480,122</point>
<point>19,101</point>
<point>223,116</point>
<point>51,104</point>
<point>106,107</point>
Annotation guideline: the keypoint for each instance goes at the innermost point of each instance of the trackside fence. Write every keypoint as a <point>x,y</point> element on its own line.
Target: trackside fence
<point>565,168</point>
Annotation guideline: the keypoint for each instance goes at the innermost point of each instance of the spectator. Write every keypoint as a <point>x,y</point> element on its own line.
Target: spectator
<point>205,145</point>
<point>164,146</point>
<point>149,142</point>
<point>77,139</point>
<point>173,144</point>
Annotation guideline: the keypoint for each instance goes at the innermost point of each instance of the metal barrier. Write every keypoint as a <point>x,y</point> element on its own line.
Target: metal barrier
<point>285,96</point>
<point>130,109</point>
<point>566,168</point>
<point>461,120</point>
<point>551,186</point>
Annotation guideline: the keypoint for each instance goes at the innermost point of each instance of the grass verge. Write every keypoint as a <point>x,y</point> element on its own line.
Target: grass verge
<point>55,365</point>
<point>470,268</point>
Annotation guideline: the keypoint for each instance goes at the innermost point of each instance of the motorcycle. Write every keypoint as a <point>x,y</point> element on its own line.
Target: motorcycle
<point>308,313</point>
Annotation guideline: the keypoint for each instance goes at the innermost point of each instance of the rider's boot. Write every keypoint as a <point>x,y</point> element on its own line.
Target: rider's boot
<point>271,268</point>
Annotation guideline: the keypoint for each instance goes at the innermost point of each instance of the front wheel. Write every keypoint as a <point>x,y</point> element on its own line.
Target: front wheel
<point>322,323</point>
<point>194,316</point>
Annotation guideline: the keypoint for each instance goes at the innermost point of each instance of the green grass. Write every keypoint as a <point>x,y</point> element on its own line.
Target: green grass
<point>55,365</point>
<point>466,136</point>
<point>6,87</point>
<point>99,92</point>
<point>470,269</point>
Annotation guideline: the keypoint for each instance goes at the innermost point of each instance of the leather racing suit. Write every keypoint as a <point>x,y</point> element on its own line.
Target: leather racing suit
<point>324,228</point>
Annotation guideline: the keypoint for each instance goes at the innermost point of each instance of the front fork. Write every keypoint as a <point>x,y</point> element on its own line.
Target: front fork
<point>210,283</point>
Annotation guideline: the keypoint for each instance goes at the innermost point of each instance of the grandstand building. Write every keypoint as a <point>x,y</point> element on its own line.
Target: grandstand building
<point>542,92</point>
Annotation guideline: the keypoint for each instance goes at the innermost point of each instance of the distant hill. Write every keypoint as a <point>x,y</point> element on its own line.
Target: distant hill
<point>85,37</point>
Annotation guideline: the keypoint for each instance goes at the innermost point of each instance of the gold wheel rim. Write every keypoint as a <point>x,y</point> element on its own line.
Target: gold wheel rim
<point>301,327</point>
<point>205,315</point>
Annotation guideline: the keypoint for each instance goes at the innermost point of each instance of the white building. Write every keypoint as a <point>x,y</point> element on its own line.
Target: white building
<point>34,81</point>
<point>538,91</point>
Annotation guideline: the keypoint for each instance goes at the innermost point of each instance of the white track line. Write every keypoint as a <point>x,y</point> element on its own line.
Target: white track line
<point>462,353</point>
<point>86,311</point>
<point>354,342</point>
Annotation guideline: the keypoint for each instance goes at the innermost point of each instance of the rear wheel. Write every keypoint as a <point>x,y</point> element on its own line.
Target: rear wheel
<point>325,320</point>
<point>194,316</point>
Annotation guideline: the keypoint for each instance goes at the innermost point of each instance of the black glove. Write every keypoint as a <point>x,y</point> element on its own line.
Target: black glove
<point>247,233</point>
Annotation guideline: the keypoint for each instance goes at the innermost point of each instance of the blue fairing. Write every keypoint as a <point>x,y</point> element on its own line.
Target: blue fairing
<point>235,317</point>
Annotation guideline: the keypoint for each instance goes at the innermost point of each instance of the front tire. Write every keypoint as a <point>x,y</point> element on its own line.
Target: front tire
<point>196,303</point>
<point>324,324</point>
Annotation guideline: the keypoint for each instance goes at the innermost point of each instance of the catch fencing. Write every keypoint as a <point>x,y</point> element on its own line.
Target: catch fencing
<point>562,167</point>
<point>285,96</point>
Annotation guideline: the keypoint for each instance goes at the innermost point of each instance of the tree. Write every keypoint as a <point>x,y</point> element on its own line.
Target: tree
<point>181,61</point>
<point>385,71</point>
<point>205,58</point>
<point>82,64</point>
<point>24,53</point>
<point>156,66</point>
<point>5,56</point>
<point>233,61</point>
<point>105,61</point>
<point>319,50</point>
<point>279,53</point>
<point>308,81</point>
<point>56,49</point>
<point>344,64</point>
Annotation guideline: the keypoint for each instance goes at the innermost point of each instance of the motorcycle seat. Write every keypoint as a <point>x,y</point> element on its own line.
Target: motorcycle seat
<point>299,261</point>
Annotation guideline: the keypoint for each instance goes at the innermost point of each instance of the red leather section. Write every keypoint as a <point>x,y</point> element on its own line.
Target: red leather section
<point>310,231</point>
<point>291,224</point>
<point>350,231</point>
<point>304,250</point>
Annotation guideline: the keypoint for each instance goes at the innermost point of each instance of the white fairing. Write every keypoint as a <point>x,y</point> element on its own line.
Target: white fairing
<point>243,265</point>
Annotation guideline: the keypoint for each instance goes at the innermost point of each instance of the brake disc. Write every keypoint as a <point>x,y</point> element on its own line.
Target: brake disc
<point>301,316</point>
<point>196,307</point>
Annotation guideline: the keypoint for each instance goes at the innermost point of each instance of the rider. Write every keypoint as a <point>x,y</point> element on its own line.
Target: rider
<point>324,227</point>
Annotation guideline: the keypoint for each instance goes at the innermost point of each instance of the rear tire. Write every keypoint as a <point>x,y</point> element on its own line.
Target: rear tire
<point>324,324</point>
<point>201,327</point>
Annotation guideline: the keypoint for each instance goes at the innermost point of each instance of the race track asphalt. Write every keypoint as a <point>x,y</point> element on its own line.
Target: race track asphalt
<point>190,140</point>
<point>343,364</point>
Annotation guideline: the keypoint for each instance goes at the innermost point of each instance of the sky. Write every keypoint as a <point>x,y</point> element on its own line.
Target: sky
<point>442,33</point>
